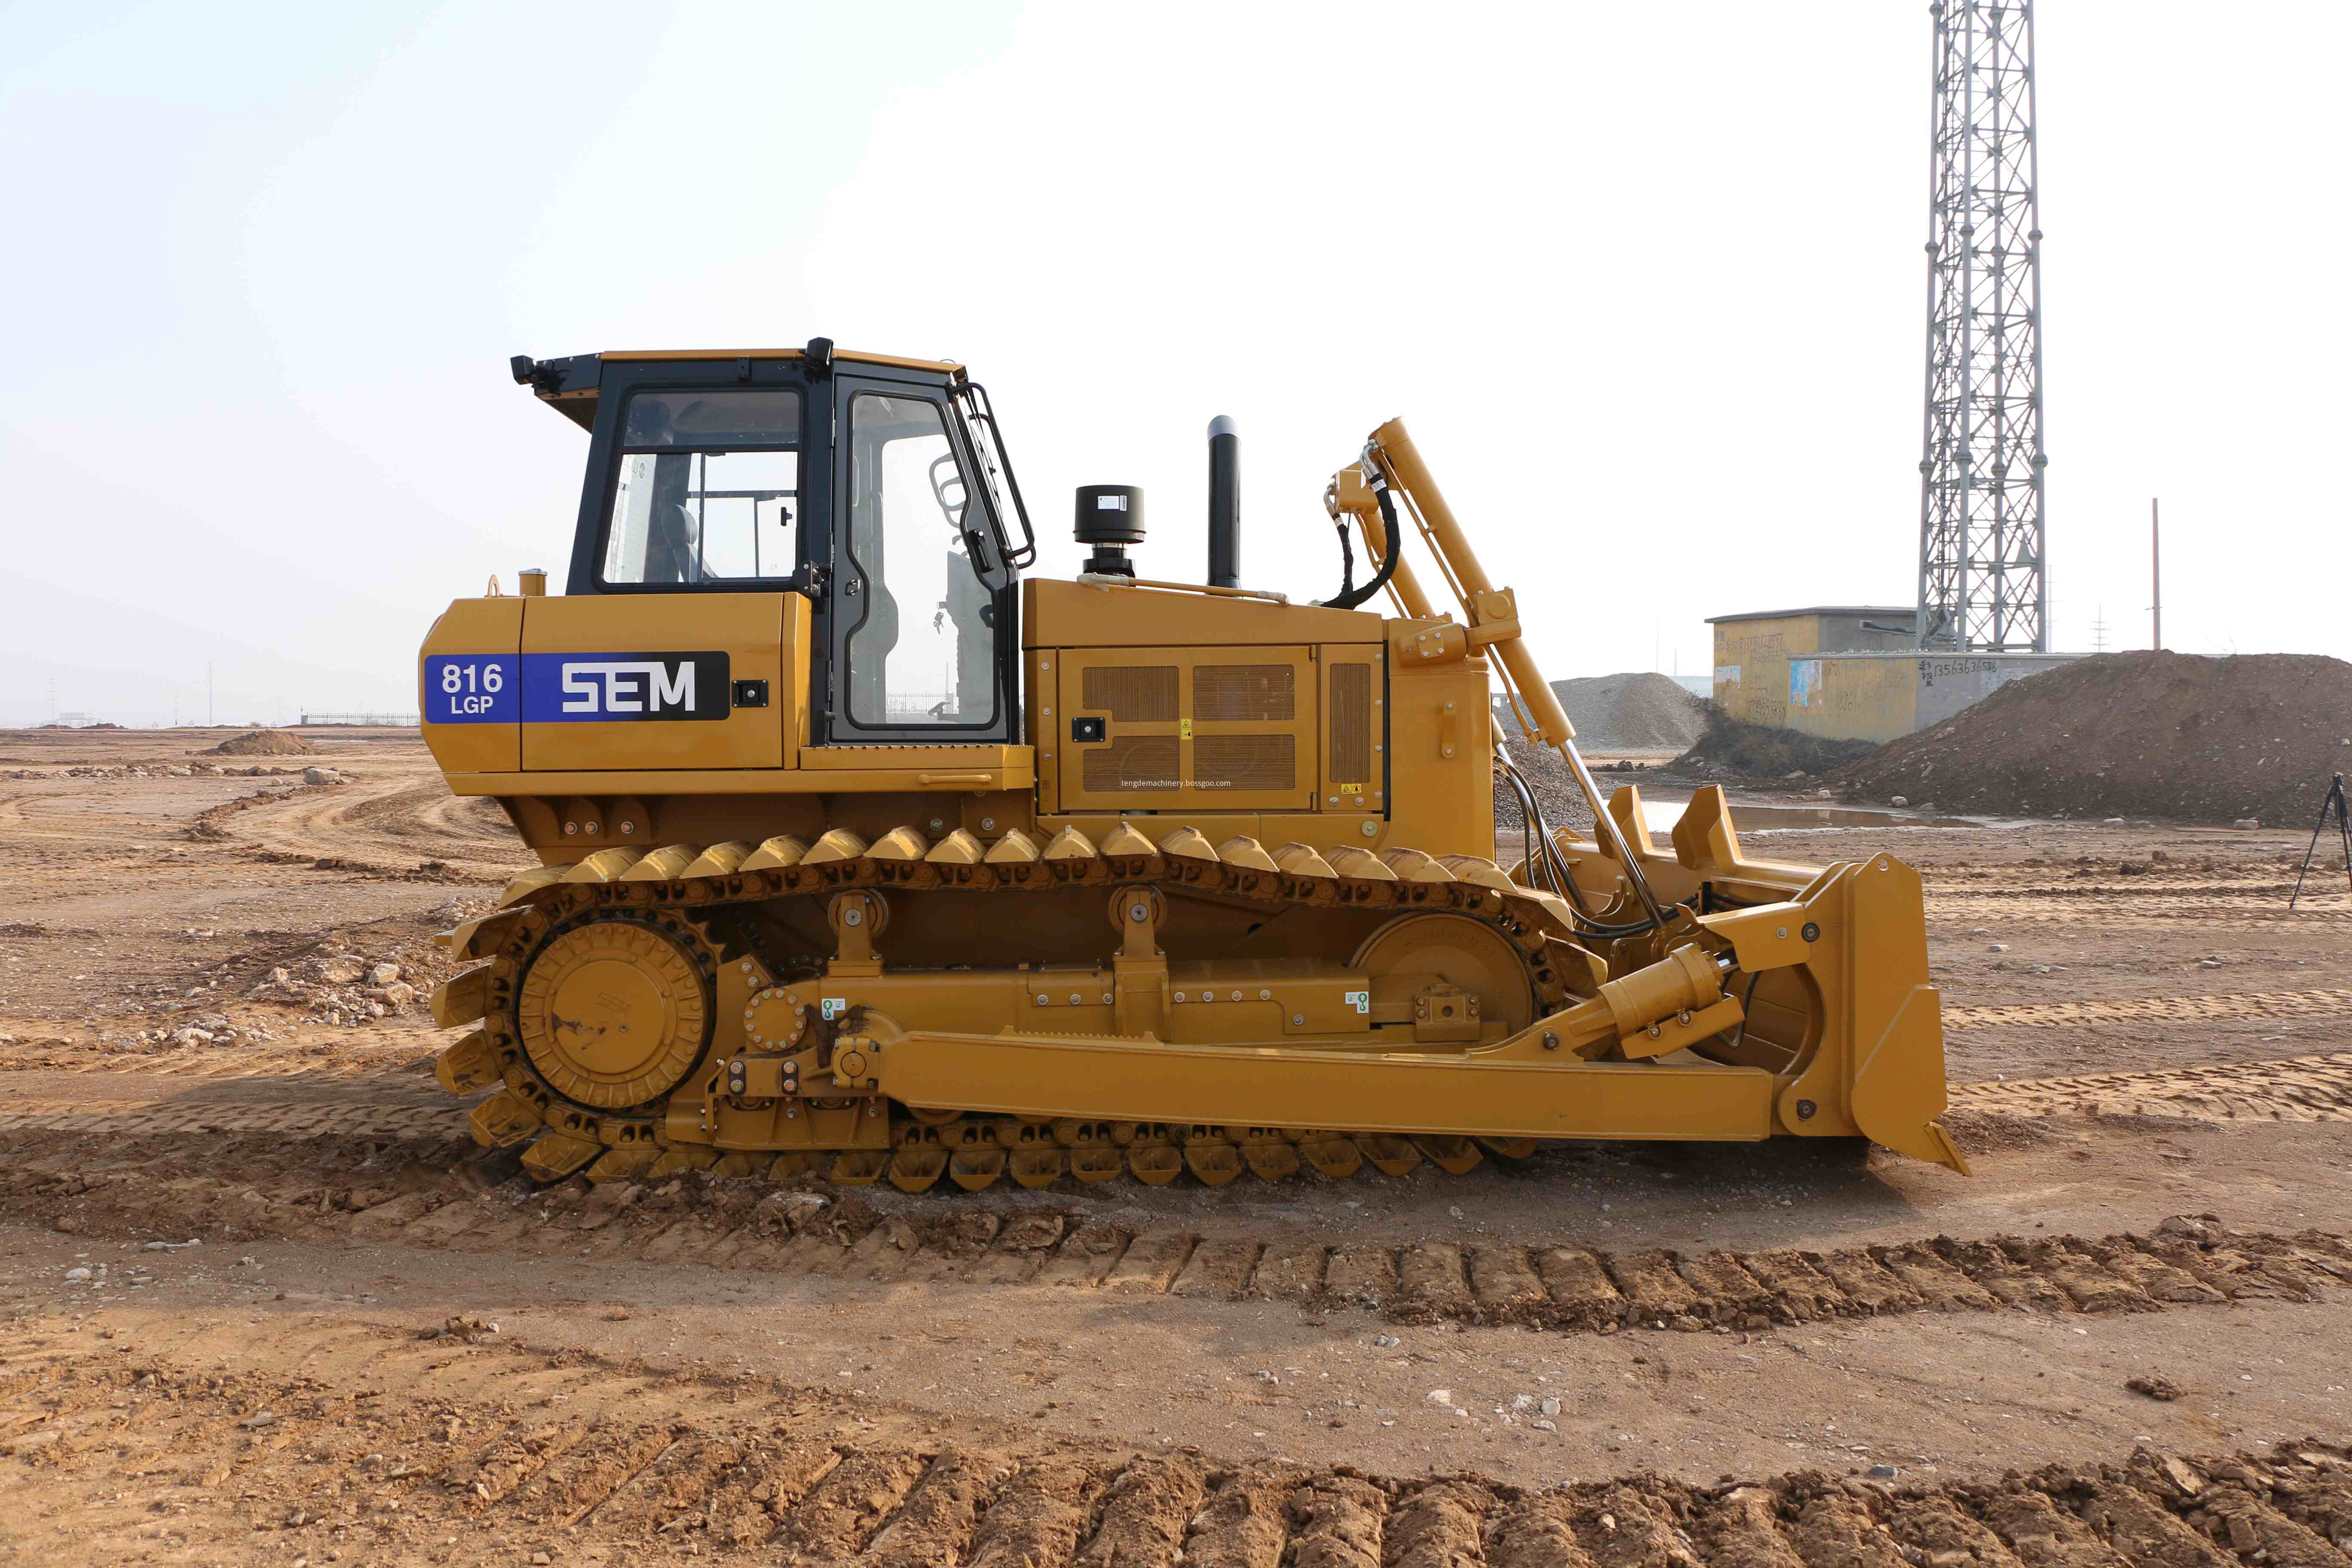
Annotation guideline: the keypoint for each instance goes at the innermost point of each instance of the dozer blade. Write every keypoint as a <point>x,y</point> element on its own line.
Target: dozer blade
<point>1898,1087</point>
<point>1897,1021</point>
<point>1878,1069</point>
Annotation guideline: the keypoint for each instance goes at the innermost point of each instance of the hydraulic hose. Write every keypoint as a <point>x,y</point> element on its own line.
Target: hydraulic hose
<point>1348,598</point>
<point>1346,562</point>
<point>1551,867</point>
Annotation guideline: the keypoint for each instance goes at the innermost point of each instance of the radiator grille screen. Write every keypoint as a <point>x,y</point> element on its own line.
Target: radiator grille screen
<point>1134,693</point>
<point>1250,693</point>
<point>1244,762</point>
<point>1351,723</point>
<point>1139,763</point>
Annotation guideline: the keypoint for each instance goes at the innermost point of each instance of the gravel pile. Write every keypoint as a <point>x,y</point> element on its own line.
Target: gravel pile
<point>1636,711</point>
<point>1554,787</point>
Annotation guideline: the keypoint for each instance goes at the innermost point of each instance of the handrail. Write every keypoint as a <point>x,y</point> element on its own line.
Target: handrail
<point>971,397</point>
<point>1112,580</point>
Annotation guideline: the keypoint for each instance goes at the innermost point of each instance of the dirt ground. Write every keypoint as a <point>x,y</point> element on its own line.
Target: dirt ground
<point>265,1304</point>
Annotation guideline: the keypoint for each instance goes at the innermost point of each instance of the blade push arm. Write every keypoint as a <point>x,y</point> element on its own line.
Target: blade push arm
<point>1490,615</point>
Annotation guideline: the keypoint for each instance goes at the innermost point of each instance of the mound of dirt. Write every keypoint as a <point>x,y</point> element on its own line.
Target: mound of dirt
<point>2137,734</point>
<point>263,743</point>
<point>1634,711</point>
<point>1734,746</point>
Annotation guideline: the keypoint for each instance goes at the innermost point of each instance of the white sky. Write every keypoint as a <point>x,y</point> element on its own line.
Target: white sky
<point>1645,281</point>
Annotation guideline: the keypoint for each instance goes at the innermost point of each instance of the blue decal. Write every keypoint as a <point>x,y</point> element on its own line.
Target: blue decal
<point>472,689</point>
<point>621,687</point>
<point>575,688</point>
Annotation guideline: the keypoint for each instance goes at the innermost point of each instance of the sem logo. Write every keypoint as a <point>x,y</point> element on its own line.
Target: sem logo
<point>629,685</point>
<point>621,687</point>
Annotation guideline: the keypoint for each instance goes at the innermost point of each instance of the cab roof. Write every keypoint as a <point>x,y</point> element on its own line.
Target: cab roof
<point>570,385</point>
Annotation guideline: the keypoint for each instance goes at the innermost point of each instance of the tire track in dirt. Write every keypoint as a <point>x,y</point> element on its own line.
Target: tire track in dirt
<point>243,1062</point>
<point>358,826</point>
<point>390,1099</point>
<point>2293,1089</point>
<point>60,1056</point>
<point>2157,1009</point>
<point>1950,884</point>
<point>326,1187</point>
<point>390,1445</point>
<point>2133,911</point>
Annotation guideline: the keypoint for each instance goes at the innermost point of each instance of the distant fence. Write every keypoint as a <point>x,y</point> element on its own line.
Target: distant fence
<point>361,720</point>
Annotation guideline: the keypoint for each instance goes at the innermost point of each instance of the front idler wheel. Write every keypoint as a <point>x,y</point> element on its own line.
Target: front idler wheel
<point>614,1013</point>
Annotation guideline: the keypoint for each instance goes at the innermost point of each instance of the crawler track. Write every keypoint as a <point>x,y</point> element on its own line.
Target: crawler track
<point>388,1444</point>
<point>240,1186</point>
<point>692,901</point>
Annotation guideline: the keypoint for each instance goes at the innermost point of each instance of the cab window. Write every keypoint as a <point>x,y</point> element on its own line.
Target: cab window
<point>709,487</point>
<point>921,646</point>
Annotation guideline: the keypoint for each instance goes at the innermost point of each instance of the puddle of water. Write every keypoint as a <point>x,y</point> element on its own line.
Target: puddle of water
<point>1659,816</point>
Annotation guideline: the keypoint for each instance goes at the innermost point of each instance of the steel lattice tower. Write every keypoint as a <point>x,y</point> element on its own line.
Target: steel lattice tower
<point>1982,585</point>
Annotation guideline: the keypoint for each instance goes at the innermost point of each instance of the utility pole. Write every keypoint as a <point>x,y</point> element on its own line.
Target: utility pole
<point>210,718</point>
<point>2156,571</point>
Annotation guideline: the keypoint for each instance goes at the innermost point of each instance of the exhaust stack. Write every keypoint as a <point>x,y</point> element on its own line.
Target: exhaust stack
<point>1225,504</point>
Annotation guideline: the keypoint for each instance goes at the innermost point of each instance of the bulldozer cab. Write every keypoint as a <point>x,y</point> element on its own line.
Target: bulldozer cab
<point>867,488</point>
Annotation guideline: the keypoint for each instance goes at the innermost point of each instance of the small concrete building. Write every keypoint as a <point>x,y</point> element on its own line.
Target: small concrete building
<point>1851,671</point>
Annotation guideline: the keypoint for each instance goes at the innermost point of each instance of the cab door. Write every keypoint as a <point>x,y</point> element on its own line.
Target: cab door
<point>615,682</point>
<point>923,601</point>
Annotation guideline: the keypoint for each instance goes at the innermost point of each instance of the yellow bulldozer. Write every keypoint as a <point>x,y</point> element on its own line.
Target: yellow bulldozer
<point>863,853</point>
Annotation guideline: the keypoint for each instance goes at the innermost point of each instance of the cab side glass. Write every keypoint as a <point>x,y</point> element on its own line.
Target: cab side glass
<point>921,648</point>
<point>707,490</point>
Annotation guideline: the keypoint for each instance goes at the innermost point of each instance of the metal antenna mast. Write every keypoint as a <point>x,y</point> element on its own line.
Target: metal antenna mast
<point>1982,586</point>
